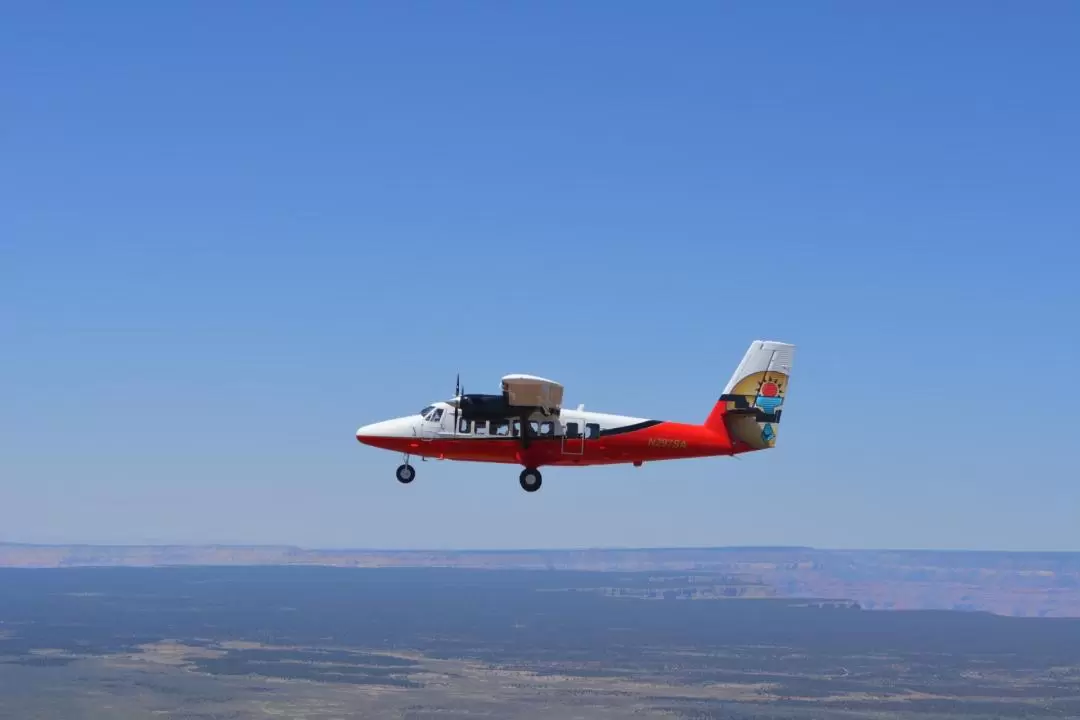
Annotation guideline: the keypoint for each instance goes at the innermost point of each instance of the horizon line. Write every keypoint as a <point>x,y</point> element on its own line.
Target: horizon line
<point>656,548</point>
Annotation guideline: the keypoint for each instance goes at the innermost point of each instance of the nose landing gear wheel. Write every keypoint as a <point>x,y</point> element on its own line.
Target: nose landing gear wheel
<point>530,479</point>
<point>405,473</point>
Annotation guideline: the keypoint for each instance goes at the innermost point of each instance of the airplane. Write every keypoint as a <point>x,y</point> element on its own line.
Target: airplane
<point>527,425</point>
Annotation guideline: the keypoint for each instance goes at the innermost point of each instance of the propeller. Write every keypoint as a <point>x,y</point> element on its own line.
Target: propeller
<point>457,403</point>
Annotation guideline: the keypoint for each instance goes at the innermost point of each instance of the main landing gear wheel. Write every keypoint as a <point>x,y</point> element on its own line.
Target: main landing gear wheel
<point>405,473</point>
<point>530,479</point>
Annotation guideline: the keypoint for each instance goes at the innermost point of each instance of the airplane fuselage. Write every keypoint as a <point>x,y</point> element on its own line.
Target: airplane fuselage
<point>575,437</point>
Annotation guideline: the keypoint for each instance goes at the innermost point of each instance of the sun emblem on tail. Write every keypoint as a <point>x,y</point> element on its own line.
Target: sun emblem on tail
<point>770,396</point>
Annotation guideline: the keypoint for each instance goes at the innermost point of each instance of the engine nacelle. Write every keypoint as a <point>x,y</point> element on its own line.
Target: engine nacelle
<point>476,406</point>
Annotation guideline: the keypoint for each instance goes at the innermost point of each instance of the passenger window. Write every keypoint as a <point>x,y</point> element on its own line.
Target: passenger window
<point>481,427</point>
<point>545,428</point>
<point>592,431</point>
<point>463,426</point>
<point>515,428</point>
<point>500,427</point>
<point>572,430</point>
<point>534,427</point>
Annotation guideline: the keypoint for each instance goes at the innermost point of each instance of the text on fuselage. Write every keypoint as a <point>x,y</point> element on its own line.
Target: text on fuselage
<point>667,443</point>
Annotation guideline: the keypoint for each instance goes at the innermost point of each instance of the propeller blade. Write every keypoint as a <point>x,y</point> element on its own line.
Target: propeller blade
<point>457,401</point>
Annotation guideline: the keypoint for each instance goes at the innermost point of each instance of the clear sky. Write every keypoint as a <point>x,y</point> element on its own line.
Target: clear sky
<point>232,233</point>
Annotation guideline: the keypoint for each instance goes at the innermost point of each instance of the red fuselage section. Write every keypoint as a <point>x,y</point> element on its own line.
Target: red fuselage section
<point>641,442</point>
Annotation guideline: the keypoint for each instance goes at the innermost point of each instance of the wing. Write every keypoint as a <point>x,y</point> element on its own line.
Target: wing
<point>533,391</point>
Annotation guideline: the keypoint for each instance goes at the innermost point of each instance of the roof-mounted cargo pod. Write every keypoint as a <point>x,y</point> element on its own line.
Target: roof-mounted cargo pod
<point>533,392</point>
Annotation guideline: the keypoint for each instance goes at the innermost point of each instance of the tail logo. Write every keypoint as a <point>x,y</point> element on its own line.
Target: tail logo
<point>769,399</point>
<point>761,396</point>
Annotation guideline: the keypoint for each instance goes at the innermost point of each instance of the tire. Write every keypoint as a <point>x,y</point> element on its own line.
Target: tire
<point>405,474</point>
<point>530,479</point>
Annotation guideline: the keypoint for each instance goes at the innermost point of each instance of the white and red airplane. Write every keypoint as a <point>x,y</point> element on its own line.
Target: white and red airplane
<point>527,425</point>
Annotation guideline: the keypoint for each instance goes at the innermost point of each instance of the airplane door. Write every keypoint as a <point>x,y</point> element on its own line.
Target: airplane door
<point>573,442</point>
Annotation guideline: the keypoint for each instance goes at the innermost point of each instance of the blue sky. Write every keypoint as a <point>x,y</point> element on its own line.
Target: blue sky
<point>233,233</point>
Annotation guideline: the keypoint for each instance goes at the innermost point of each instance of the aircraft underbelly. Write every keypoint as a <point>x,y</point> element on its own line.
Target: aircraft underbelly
<point>662,441</point>
<point>631,447</point>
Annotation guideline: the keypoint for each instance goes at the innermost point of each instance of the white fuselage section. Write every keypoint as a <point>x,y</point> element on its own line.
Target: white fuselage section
<point>437,420</point>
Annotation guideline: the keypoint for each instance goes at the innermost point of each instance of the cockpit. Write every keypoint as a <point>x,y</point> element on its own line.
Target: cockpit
<point>432,413</point>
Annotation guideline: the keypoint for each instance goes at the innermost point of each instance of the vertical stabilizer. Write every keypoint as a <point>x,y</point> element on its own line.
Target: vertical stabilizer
<point>753,400</point>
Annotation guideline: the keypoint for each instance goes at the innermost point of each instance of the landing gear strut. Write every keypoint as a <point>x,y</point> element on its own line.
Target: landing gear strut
<point>405,472</point>
<point>530,479</point>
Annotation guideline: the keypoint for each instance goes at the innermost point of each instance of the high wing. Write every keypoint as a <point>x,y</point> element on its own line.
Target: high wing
<point>531,391</point>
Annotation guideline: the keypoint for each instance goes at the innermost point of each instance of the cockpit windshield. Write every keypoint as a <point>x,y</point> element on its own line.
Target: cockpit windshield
<point>432,413</point>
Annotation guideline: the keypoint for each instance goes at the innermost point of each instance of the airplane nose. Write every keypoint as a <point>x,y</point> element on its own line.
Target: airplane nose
<point>367,433</point>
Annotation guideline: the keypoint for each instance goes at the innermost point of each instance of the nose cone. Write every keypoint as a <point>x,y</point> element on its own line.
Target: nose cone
<point>372,434</point>
<point>367,433</point>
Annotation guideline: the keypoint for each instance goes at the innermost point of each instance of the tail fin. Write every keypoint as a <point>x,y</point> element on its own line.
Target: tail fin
<point>750,408</point>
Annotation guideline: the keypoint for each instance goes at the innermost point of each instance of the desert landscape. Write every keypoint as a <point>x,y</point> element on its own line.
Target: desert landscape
<point>327,642</point>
